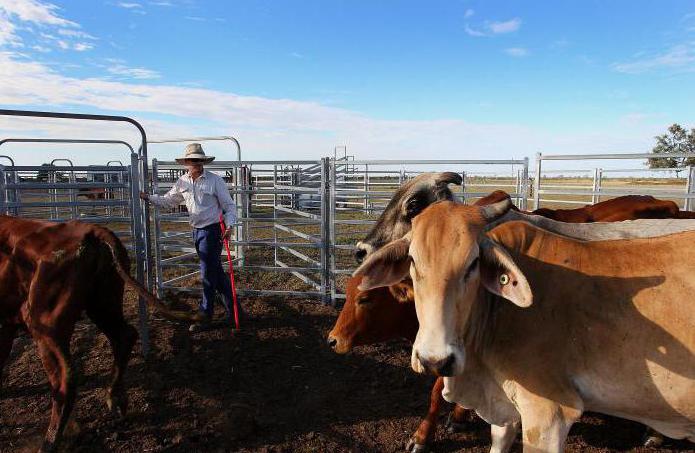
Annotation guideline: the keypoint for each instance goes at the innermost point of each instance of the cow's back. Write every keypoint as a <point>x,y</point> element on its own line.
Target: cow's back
<point>613,319</point>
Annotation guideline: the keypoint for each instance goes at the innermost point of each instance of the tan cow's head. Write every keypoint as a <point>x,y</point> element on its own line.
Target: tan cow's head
<point>451,262</point>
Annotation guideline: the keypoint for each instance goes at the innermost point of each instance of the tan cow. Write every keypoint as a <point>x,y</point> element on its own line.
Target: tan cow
<point>538,327</point>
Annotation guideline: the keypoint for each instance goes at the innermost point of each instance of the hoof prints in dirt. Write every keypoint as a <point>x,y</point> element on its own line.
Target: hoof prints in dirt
<point>273,386</point>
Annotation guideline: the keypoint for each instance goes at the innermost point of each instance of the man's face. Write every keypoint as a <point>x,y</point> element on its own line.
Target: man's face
<point>193,165</point>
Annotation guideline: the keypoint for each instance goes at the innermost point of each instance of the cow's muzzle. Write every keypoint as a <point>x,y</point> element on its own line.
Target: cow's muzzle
<point>438,367</point>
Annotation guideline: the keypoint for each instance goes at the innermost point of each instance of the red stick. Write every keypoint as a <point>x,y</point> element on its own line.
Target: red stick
<point>231,274</point>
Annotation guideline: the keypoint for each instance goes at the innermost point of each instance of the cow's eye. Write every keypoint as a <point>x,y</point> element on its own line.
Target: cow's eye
<point>471,268</point>
<point>364,301</point>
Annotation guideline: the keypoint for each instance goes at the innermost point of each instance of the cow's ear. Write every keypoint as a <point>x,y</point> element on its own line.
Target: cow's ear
<point>385,267</point>
<point>500,275</point>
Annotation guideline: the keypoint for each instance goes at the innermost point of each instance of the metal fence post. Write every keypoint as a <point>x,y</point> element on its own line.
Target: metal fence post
<point>139,239</point>
<point>690,188</point>
<point>332,206</point>
<point>523,202</point>
<point>537,182</point>
<point>159,278</point>
<point>366,189</point>
<point>325,230</point>
<point>3,198</point>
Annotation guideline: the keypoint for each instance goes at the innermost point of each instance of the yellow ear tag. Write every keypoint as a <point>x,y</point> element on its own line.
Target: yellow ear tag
<point>504,279</point>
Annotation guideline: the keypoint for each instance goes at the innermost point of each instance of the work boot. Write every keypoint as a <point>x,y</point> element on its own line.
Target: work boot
<point>201,325</point>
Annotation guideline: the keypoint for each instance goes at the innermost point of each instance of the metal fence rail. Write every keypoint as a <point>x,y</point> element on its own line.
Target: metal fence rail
<point>577,193</point>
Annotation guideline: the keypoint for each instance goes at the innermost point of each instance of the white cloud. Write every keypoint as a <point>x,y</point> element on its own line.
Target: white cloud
<point>162,3</point>
<point>505,27</point>
<point>134,73</point>
<point>82,46</point>
<point>518,52</point>
<point>469,12</point>
<point>128,5</point>
<point>195,18</point>
<point>16,15</point>
<point>35,11</point>
<point>271,128</point>
<point>680,57</point>
<point>494,28</point>
<point>75,34</point>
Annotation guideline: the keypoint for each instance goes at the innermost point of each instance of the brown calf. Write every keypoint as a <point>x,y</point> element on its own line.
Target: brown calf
<point>50,273</point>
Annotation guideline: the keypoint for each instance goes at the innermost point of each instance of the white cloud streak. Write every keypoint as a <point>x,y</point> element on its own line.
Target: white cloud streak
<point>678,58</point>
<point>517,52</point>
<point>489,29</point>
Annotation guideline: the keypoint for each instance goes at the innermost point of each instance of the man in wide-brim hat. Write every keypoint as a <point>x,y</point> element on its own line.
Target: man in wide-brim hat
<point>206,196</point>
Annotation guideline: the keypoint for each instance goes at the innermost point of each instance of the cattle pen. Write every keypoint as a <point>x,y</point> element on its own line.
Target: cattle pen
<point>276,387</point>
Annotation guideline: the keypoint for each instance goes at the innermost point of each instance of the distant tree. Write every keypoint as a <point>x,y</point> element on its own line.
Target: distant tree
<point>676,140</point>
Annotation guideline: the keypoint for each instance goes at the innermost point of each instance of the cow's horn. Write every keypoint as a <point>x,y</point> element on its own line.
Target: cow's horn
<point>449,177</point>
<point>496,210</point>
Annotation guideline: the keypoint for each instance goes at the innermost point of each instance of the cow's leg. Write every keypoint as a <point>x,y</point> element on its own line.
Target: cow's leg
<point>456,421</point>
<point>55,356</point>
<point>652,439</point>
<point>122,337</point>
<point>546,425</point>
<point>503,437</point>
<point>8,332</point>
<point>106,311</point>
<point>428,427</point>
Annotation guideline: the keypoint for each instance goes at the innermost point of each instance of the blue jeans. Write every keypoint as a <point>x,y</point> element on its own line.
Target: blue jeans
<point>208,244</point>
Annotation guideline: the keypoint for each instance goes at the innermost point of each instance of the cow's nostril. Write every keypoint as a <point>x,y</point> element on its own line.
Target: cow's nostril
<point>360,254</point>
<point>443,367</point>
<point>332,342</point>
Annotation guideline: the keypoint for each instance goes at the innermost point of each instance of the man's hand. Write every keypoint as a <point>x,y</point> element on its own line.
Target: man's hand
<point>228,234</point>
<point>145,196</point>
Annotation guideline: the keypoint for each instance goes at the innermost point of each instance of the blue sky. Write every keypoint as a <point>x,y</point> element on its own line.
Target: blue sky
<point>387,78</point>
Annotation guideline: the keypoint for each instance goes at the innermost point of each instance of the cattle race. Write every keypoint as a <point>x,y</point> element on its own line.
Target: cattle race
<point>400,227</point>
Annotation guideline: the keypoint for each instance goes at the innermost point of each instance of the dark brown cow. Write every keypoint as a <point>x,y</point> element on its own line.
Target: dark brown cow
<point>50,273</point>
<point>386,313</point>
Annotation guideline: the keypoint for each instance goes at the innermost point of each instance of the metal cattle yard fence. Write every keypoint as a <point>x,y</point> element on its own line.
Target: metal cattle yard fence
<point>562,187</point>
<point>298,220</point>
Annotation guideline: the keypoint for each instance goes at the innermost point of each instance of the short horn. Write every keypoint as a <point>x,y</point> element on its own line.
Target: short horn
<point>496,210</point>
<point>449,177</point>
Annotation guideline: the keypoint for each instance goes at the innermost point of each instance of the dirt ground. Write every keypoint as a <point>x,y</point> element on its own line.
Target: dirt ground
<point>274,387</point>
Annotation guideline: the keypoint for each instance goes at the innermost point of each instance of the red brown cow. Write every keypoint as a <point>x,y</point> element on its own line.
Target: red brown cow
<point>387,313</point>
<point>50,273</point>
<point>94,193</point>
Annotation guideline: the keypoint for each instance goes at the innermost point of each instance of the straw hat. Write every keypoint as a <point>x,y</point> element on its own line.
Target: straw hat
<point>194,151</point>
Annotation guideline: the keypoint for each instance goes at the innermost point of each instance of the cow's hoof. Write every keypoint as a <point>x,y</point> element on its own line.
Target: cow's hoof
<point>414,447</point>
<point>652,440</point>
<point>117,405</point>
<point>452,426</point>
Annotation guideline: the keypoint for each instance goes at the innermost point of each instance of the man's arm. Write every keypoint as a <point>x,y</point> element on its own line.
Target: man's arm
<point>170,199</point>
<point>226,203</point>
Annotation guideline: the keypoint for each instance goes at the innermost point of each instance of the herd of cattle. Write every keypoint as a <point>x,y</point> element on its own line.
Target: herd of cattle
<point>529,319</point>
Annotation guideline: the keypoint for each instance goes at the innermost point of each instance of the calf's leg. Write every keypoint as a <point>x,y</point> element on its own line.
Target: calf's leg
<point>8,332</point>
<point>424,434</point>
<point>55,357</point>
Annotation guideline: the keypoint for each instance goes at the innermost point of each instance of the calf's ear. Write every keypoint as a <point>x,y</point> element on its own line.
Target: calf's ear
<point>385,267</point>
<point>500,275</point>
